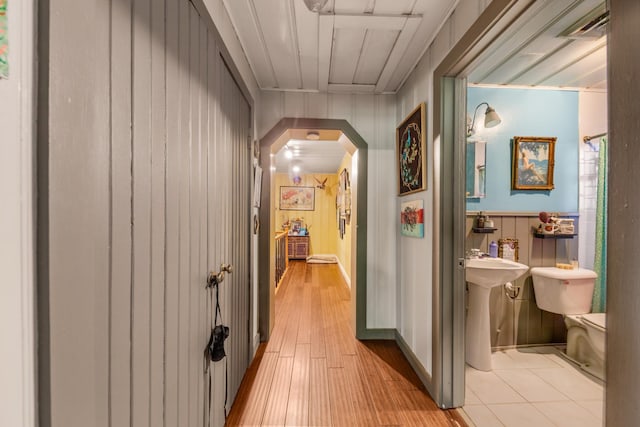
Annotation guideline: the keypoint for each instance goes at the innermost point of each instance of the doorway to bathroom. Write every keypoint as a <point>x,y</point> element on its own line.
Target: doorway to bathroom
<point>520,50</point>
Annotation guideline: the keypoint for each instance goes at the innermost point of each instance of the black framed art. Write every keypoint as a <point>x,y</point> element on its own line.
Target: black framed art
<point>411,153</point>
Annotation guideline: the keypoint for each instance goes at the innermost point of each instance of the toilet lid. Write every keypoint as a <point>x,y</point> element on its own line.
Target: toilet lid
<point>596,319</point>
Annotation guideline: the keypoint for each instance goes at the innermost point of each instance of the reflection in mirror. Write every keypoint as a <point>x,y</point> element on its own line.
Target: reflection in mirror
<point>475,170</point>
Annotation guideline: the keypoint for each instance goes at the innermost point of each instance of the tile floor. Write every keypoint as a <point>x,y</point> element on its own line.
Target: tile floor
<point>535,387</point>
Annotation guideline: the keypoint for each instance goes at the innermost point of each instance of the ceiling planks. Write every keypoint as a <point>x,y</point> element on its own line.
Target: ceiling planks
<point>325,41</point>
<point>307,32</point>
<point>278,41</point>
<point>356,46</point>
<point>243,15</point>
<point>345,54</point>
<point>533,52</point>
<point>352,45</point>
<point>375,51</point>
<point>554,62</point>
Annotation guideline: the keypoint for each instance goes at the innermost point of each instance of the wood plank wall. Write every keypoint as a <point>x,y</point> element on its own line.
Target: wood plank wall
<point>148,177</point>
<point>519,321</point>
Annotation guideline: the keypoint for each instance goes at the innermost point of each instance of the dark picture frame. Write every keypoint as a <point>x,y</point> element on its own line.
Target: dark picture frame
<point>411,153</point>
<point>533,163</point>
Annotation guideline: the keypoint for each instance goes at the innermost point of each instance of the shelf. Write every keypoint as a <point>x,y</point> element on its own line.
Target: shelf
<point>484,229</point>
<point>553,236</point>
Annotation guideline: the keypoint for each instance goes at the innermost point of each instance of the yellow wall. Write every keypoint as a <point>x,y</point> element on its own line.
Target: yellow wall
<point>343,246</point>
<point>321,222</point>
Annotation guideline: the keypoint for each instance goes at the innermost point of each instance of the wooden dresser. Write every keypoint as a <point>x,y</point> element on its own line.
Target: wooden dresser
<point>298,247</point>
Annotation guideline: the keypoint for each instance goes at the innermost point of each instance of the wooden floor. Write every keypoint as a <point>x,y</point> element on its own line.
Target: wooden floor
<point>313,372</point>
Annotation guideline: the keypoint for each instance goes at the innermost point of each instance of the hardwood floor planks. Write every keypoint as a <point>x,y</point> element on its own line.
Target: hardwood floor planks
<point>275,411</point>
<point>313,372</point>
<point>317,325</point>
<point>319,403</point>
<point>342,410</point>
<point>260,391</point>
<point>298,406</point>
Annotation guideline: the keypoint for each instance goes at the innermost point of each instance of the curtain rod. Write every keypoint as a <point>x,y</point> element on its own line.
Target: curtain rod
<point>589,138</point>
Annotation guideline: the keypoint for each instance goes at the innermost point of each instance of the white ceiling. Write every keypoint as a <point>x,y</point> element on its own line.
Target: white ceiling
<point>535,52</point>
<point>311,156</point>
<point>372,46</point>
<point>350,46</point>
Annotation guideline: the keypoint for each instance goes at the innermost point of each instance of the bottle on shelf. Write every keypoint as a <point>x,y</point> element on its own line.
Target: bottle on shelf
<point>480,220</point>
<point>493,249</point>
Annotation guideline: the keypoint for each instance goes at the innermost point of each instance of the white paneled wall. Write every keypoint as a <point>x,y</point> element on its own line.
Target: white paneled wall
<point>414,297</point>
<point>17,118</point>
<point>374,117</point>
<point>146,166</point>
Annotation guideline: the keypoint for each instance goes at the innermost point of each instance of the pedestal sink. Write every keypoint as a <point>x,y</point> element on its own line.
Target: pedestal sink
<point>482,275</point>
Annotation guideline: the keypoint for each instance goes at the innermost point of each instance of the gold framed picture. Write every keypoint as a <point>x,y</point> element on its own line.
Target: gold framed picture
<point>533,161</point>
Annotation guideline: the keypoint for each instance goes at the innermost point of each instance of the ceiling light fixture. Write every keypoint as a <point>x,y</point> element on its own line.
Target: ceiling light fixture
<point>315,5</point>
<point>491,119</point>
<point>313,135</point>
<point>288,153</point>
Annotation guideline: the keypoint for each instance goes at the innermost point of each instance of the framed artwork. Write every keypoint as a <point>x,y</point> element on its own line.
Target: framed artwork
<point>297,198</point>
<point>412,218</point>
<point>343,202</point>
<point>533,162</point>
<point>257,186</point>
<point>508,249</point>
<point>4,41</point>
<point>411,152</point>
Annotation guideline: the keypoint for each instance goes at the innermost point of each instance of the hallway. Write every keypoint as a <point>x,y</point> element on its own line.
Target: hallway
<point>313,372</point>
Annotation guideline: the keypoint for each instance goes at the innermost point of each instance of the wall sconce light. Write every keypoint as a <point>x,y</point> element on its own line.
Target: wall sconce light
<point>491,119</point>
<point>315,5</point>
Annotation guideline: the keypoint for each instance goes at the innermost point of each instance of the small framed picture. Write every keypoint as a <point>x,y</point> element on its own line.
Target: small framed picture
<point>508,249</point>
<point>412,218</point>
<point>411,152</point>
<point>533,160</point>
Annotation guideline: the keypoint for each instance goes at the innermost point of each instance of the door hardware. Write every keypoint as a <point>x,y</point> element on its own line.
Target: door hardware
<point>217,278</point>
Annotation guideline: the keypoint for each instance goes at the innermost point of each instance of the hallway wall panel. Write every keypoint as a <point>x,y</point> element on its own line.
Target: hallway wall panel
<point>149,180</point>
<point>416,267</point>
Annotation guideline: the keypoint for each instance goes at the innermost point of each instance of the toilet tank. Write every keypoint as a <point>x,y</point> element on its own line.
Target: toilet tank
<point>563,291</point>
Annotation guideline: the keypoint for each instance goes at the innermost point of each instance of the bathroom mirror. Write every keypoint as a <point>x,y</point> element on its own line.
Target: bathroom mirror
<point>475,169</point>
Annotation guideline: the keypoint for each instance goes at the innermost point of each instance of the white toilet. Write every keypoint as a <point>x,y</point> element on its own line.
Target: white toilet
<point>569,292</point>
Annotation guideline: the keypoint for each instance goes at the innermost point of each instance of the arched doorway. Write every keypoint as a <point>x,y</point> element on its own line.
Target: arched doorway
<point>269,144</point>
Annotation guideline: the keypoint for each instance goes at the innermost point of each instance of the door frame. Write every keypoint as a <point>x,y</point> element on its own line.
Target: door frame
<point>449,118</point>
<point>266,245</point>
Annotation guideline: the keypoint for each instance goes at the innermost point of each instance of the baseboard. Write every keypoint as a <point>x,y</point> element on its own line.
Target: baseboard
<point>422,373</point>
<point>377,334</point>
<point>256,344</point>
<point>344,273</point>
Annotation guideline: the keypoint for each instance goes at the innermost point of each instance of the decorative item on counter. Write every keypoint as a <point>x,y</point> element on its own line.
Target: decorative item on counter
<point>508,249</point>
<point>488,223</point>
<point>564,266</point>
<point>480,220</point>
<point>548,223</point>
<point>565,226</point>
<point>493,249</point>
